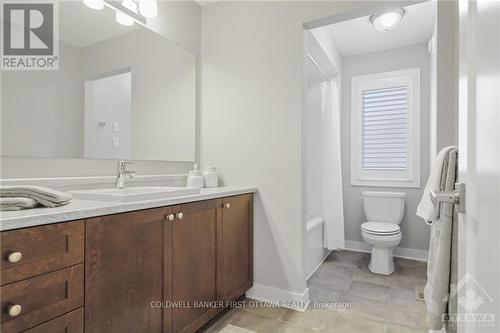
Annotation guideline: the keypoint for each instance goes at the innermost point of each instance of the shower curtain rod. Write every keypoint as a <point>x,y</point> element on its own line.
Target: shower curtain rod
<point>318,67</point>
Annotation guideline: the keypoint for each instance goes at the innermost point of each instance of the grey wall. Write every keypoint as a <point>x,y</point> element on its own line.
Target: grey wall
<point>179,21</point>
<point>415,231</point>
<point>252,71</point>
<point>58,107</point>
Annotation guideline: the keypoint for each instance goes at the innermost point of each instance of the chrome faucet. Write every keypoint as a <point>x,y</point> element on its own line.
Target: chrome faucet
<point>122,173</point>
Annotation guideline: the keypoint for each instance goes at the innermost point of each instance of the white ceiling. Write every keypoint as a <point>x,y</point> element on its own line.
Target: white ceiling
<point>81,26</point>
<point>358,36</point>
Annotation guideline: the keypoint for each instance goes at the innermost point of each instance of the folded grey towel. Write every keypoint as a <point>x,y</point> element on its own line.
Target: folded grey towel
<point>45,196</point>
<point>15,203</point>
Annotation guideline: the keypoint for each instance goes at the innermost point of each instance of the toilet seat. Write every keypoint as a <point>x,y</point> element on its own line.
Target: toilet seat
<point>380,228</point>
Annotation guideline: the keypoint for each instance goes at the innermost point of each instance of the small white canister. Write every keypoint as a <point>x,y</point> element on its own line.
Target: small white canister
<point>194,178</point>
<point>210,176</point>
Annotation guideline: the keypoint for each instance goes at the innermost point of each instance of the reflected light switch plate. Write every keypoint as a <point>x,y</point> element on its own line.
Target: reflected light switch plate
<point>116,127</point>
<point>116,142</point>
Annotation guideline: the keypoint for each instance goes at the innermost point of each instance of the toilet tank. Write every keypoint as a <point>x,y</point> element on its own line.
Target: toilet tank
<point>384,206</point>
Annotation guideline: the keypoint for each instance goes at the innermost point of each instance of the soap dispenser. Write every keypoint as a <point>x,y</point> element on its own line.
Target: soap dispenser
<point>194,178</point>
<point>210,176</point>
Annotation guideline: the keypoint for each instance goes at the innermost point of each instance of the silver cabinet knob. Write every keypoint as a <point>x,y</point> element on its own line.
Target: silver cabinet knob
<point>180,216</point>
<point>227,205</point>
<point>170,217</point>
<point>15,310</point>
<point>15,256</point>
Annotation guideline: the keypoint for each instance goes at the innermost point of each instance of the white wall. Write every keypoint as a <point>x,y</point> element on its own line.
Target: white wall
<point>178,21</point>
<point>252,62</point>
<point>163,92</point>
<point>108,104</point>
<point>415,231</point>
<point>58,106</point>
<point>444,114</point>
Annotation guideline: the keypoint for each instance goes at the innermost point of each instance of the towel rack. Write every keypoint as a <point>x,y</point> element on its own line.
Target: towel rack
<point>456,197</point>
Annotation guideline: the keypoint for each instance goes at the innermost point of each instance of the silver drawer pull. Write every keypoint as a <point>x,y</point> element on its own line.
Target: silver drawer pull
<point>170,217</point>
<point>180,216</point>
<point>227,205</point>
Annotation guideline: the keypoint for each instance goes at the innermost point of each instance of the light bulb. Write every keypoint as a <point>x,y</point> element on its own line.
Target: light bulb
<point>148,8</point>
<point>94,4</point>
<point>387,21</point>
<point>124,18</point>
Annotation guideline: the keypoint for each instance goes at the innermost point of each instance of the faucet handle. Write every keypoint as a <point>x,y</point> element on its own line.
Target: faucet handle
<point>122,164</point>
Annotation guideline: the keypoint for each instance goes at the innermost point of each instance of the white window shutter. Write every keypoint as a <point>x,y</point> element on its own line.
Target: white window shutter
<point>385,129</point>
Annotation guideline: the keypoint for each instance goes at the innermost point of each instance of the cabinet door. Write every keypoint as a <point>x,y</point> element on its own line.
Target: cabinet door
<point>235,247</point>
<point>194,260</point>
<point>124,272</point>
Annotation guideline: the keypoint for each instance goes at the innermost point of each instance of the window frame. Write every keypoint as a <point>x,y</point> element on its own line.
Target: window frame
<point>387,178</point>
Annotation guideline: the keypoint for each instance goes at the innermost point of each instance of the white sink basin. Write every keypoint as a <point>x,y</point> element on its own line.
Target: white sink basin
<point>129,194</point>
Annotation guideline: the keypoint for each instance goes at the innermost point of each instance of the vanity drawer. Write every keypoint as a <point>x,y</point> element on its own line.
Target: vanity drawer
<point>39,299</point>
<point>34,251</point>
<point>71,322</point>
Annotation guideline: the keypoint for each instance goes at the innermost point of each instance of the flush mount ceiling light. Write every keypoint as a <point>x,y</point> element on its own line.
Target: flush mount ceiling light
<point>388,20</point>
<point>128,11</point>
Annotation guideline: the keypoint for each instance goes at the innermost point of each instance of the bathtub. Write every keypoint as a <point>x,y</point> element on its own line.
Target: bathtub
<point>314,250</point>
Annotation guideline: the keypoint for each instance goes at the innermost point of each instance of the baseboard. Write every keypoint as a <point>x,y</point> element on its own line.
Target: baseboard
<point>400,252</point>
<point>284,298</point>
<point>320,263</point>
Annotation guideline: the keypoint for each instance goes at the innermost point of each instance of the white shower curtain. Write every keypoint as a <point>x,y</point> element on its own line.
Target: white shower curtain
<point>331,167</point>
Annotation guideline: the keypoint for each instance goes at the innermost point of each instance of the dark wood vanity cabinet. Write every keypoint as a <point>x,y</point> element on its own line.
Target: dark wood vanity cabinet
<point>235,247</point>
<point>155,270</point>
<point>194,259</point>
<point>124,269</point>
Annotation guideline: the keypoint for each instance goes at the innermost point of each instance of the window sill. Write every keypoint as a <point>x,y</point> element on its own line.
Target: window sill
<point>385,183</point>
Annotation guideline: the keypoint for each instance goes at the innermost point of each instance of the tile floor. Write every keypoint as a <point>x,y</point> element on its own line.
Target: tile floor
<point>385,304</point>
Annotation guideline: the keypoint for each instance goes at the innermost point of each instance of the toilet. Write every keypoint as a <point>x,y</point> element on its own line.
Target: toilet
<point>384,212</point>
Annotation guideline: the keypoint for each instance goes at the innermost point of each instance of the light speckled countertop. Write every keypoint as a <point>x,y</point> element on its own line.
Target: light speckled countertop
<point>81,209</point>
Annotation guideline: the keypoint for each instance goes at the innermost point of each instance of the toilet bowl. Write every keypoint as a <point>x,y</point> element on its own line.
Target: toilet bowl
<point>384,212</point>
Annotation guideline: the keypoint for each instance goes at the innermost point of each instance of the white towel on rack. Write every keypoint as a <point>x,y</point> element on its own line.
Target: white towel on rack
<point>426,209</point>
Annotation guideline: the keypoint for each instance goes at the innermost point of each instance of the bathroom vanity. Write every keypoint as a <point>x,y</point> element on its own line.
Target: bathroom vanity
<point>134,271</point>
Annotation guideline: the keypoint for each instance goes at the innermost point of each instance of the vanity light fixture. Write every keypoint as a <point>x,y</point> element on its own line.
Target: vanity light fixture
<point>388,20</point>
<point>122,17</point>
<point>148,8</point>
<point>128,11</point>
<point>94,4</point>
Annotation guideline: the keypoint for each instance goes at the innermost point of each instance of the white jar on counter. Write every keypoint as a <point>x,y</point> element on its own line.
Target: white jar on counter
<point>195,178</point>
<point>210,176</point>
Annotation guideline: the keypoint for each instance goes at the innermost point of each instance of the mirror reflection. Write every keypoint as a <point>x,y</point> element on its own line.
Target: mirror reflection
<point>121,92</point>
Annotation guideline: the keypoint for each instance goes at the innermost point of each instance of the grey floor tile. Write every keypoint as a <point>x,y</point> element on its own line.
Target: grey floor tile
<point>370,290</point>
<point>375,310</point>
<point>375,303</point>
<point>392,328</point>
<point>364,274</point>
<point>326,295</point>
<point>349,322</point>
<point>333,277</point>
<point>348,259</point>
<point>314,318</point>
<point>410,315</point>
